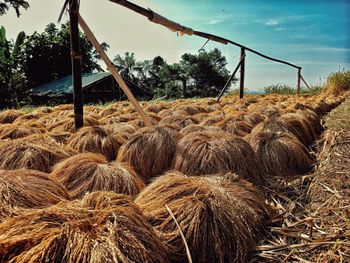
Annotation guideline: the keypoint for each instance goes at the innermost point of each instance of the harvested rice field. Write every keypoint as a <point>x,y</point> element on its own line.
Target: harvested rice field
<point>259,179</point>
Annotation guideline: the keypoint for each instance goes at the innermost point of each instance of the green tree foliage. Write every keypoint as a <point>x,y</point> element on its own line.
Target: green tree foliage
<point>45,57</point>
<point>12,82</point>
<point>196,75</point>
<point>5,5</point>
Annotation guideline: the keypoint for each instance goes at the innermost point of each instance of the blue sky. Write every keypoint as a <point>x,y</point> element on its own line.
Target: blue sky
<point>312,34</point>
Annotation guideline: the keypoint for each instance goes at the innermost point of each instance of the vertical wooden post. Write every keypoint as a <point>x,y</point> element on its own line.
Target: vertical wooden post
<point>241,79</point>
<point>76,64</point>
<point>298,81</point>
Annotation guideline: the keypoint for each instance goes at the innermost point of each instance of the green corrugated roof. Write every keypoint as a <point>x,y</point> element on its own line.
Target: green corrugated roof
<point>64,85</point>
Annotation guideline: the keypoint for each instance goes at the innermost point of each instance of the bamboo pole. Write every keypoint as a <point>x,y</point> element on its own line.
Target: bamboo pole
<point>298,81</point>
<point>307,85</point>
<point>114,71</point>
<point>229,80</point>
<point>150,14</point>
<point>241,79</point>
<point>76,64</point>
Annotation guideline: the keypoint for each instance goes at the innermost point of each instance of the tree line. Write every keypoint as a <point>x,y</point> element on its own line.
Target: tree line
<point>30,61</point>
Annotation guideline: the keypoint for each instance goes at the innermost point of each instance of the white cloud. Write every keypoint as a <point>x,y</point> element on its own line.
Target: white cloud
<point>271,22</point>
<point>215,21</point>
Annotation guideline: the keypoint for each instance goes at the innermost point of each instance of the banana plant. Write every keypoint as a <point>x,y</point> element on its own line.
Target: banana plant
<point>6,52</point>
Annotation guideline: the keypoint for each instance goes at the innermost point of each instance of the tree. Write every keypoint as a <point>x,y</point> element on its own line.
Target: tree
<point>13,87</point>
<point>205,73</point>
<point>45,57</point>
<point>127,66</point>
<point>16,4</point>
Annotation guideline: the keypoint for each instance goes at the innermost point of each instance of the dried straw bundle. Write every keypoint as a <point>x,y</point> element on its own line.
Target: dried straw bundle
<point>9,116</point>
<point>217,152</point>
<point>150,152</point>
<point>90,172</point>
<point>221,219</point>
<point>28,189</point>
<point>13,131</point>
<point>281,153</point>
<point>235,127</point>
<point>180,120</point>
<point>28,117</point>
<point>195,128</point>
<point>66,124</point>
<point>25,154</point>
<point>96,140</point>
<point>103,227</point>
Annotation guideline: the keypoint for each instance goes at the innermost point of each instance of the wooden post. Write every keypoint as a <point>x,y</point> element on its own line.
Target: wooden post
<point>114,71</point>
<point>230,78</point>
<point>302,78</point>
<point>241,80</point>
<point>298,81</point>
<point>76,64</point>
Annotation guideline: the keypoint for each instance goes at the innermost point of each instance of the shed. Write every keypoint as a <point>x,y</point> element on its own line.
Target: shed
<point>97,87</point>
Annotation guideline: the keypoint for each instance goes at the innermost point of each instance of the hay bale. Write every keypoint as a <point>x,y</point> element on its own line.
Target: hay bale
<point>217,152</point>
<point>28,189</point>
<point>84,173</point>
<point>103,227</point>
<point>221,219</point>
<point>25,154</point>
<point>9,116</point>
<point>281,153</point>
<point>96,140</point>
<point>150,152</point>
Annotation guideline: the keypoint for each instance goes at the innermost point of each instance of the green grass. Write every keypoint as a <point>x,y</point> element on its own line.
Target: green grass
<point>338,82</point>
<point>288,90</point>
<point>338,119</point>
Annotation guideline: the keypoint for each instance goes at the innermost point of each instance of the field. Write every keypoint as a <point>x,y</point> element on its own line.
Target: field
<point>261,179</point>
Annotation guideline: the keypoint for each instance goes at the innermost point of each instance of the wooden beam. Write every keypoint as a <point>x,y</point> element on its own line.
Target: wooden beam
<point>149,14</point>
<point>114,71</point>
<point>241,79</point>
<point>307,85</point>
<point>229,80</point>
<point>298,81</point>
<point>76,64</point>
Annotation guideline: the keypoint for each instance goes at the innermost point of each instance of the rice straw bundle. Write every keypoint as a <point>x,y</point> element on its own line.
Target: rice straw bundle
<point>103,227</point>
<point>25,154</point>
<point>28,189</point>
<point>221,219</point>
<point>281,153</point>
<point>150,152</point>
<point>217,152</point>
<point>84,173</point>
<point>9,116</point>
<point>96,140</point>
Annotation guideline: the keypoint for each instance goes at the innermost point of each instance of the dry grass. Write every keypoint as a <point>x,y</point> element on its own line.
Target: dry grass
<point>217,152</point>
<point>281,154</point>
<point>221,219</point>
<point>84,173</point>
<point>96,140</point>
<point>103,227</point>
<point>25,154</point>
<point>9,116</point>
<point>313,222</point>
<point>150,152</point>
<point>28,189</point>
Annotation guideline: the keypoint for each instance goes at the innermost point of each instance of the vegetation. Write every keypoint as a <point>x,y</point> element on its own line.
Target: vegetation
<point>338,82</point>
<point>196,75</point>
<point>24,63</point>
<point>15,4</point>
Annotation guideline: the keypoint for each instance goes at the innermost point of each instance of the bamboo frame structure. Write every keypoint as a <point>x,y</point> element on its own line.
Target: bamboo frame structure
<point>113,71</point>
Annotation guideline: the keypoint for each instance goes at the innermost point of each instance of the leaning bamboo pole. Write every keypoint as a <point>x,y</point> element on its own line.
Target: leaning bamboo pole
<point>113,71</point>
